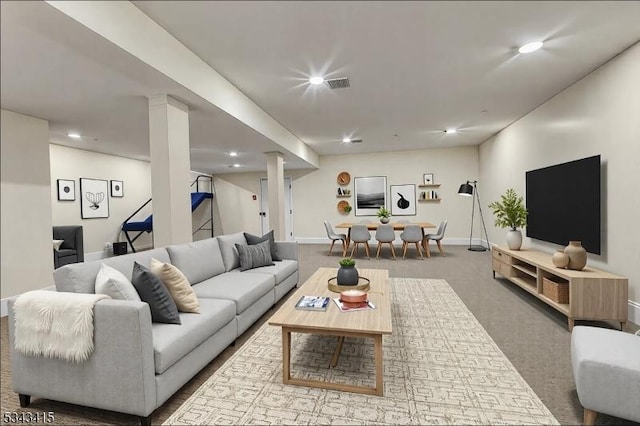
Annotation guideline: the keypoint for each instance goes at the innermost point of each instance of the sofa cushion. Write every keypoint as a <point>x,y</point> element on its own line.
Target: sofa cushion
<point>228,249</point>
<point>254,239</point>
<point>177,284</point>
<point>114,284</point>
<point>171,343</point>
<point>280,270</point>
<point>155,294</point>
<point>198,260</point>
<point>254,256</point>
<point>242,288</point>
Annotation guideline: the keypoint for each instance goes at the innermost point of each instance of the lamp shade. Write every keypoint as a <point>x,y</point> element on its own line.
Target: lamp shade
<point>465,189</point>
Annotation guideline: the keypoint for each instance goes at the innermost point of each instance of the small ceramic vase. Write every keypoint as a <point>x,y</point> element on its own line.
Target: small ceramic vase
<point>577,255</point>
<point>384,220</point>
<point>560,259</point>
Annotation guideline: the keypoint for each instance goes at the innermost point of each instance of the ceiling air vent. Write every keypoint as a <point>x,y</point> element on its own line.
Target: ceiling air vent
<point>339,83</point>
<point>356,141</point>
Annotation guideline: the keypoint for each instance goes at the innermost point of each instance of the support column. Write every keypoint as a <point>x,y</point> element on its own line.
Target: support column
<point>275,186</point>
<point>170,171</point>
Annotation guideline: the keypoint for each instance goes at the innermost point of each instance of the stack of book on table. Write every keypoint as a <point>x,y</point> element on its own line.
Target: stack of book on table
<point>313,303</point>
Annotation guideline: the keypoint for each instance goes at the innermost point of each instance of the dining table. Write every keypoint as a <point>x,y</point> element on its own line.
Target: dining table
<point>397,226</point>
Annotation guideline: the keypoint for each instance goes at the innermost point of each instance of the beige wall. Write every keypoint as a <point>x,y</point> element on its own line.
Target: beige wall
<point>600,114</point>
<point>73,164</point>
<point>27,252</point>
<point>314,192</point>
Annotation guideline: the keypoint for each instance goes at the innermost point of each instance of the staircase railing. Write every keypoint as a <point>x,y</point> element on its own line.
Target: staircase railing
<point>195,182</point>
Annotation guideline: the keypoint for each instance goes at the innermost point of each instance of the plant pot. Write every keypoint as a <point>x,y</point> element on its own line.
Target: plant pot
<point>514,239</point>
<point>384,220</point>
<point>347,275</point>
<point>577,255</point>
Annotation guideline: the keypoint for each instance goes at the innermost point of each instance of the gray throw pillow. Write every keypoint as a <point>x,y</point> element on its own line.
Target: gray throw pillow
<point>254,239</point>
<point>254,256</point>
<point>153,292</point>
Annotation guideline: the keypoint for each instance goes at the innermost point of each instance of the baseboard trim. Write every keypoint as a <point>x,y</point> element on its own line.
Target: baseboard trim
<point>634,312</point>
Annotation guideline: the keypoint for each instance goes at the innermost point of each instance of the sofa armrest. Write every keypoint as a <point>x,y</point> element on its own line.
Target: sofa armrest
<point>118,376</point>
<point>287,249</point>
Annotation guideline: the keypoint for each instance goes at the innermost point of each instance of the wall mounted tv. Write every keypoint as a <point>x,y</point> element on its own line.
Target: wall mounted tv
<point>563,203</point>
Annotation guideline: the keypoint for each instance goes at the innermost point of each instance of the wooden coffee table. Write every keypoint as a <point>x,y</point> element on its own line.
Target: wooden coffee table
<point>369,323</point>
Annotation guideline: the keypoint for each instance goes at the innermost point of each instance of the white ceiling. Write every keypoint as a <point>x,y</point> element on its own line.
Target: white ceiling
<point>415,69</point>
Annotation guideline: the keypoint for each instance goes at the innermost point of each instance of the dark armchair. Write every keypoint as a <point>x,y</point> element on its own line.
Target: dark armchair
<point>72,248</point>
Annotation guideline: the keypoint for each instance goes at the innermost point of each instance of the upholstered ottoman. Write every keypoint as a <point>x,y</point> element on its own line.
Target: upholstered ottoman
<point>606,367</point>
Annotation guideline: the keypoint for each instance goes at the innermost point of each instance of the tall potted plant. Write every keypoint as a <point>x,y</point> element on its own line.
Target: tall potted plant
<point>510,213</point>
<point>383,214</point>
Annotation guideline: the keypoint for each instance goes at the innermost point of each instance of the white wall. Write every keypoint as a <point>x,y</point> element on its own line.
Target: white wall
<point>73,164</point>
<point>314,191</point>
<point>27,251</point>
<point>600,114</point>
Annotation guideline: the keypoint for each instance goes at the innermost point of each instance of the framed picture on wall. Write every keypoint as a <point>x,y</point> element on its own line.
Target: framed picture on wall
<point>370,194</point>
<point>403,200</point>
<point>428,179</point>
<point>66,190</point>
<point>94,202</point>
<point>117,189</point>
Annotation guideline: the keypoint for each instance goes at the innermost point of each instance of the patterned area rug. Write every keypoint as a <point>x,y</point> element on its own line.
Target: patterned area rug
<point>440,367</point>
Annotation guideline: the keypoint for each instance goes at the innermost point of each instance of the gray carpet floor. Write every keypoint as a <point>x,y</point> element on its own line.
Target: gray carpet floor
<point>531,334</point>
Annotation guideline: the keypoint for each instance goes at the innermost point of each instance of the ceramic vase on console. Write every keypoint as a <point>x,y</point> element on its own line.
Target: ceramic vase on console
<point>514,239</point>
<point>577,255</point>
<point>347,275</point>
<point>560,259</point>
<point>384,220</point>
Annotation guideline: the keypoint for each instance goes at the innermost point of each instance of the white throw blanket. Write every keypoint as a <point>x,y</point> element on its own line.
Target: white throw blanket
<point>55,324</point>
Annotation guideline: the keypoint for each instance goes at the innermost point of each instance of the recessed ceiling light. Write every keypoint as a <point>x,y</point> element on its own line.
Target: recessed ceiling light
<point>448,131</point>
<point>346,140</point>
<point>316,80</point>
<point>233,154</point>
<point>530,47</point>
<point>236,165</point>
<point>73,135</point>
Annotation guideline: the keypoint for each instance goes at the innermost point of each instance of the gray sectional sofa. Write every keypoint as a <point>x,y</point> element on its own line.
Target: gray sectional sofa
<point>137,365</point>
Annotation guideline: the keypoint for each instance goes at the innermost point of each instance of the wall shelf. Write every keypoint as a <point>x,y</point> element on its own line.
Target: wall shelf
<point>343,196</point>
<point>433,200</point>
<point>430,185</point>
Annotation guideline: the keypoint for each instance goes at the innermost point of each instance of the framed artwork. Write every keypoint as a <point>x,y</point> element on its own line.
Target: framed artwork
<point>66,190</point>
<point>370,194</point>
<point>428,179</point>
<point>117,189</point>
<point>403,200</point>
<point>94,202</point>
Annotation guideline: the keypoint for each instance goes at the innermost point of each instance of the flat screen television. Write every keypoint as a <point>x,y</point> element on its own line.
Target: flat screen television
<point>563,203</point>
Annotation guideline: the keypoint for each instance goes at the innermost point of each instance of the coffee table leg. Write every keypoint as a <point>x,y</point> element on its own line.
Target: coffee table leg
<point>336,353</point>
<point>286,355</point>
<point>377,344</point>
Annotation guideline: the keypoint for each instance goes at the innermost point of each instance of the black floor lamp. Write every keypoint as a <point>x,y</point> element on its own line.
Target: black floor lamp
<point>471,189</point>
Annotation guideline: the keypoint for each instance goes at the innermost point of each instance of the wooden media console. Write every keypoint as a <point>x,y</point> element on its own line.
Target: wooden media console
<point>593,294</point>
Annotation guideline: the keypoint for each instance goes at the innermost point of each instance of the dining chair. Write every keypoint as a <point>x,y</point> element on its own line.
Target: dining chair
<point>385,234</point>
<point>333,236</point>
<point>412,234</point>
<point>360,235</point>
<point>437,237</point>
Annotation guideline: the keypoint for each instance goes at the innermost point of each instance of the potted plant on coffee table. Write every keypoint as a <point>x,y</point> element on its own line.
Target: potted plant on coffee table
<point>510,213</point>
<point>347,273</point>
<point>383,214</point>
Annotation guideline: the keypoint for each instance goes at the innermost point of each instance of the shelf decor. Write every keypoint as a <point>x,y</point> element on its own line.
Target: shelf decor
<point>427,179</point>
